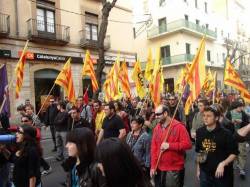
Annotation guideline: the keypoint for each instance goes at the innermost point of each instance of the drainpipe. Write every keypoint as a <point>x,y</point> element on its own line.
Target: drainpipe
<point>16,16</point>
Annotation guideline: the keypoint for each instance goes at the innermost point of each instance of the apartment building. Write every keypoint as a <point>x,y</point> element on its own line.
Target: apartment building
<point>57,30</point>
<point>177,28</point>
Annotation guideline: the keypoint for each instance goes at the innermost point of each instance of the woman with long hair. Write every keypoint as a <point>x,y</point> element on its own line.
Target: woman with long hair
<point>27,158</point>
<point>119,166</point>
<point>80,165</point>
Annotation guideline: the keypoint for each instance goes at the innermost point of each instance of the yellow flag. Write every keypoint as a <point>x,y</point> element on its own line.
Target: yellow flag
<point>149,67</point>
<point>137,76</point>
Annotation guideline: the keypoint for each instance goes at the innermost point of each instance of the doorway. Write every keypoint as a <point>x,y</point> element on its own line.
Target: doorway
<point>43,81</point>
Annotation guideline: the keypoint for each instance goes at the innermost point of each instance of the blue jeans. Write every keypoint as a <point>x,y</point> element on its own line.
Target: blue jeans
<point>207,180</point>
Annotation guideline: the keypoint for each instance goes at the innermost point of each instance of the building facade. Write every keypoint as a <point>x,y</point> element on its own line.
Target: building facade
<point>57,30</point>
<point>177,28</point>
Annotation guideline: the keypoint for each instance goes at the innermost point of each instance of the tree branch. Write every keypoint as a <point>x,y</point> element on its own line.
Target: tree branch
<point>103,2</point>
<point>113,3</point>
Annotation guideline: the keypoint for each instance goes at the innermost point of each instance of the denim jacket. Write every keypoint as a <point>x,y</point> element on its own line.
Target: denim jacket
<point>141,148</point>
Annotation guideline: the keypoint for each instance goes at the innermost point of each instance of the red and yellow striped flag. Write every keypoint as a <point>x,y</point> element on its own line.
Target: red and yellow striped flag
<point>65,80</point>
<point>123,78</point>
<point>232,78</point>
<point>19,70</point>
<point>88,69</point>
<point>196,75</point>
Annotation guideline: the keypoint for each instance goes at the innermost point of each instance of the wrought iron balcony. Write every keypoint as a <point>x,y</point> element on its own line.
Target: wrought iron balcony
<point>4,25</point>
<point>87,43</point>
<point>178,25</point>
<point>44,32</point>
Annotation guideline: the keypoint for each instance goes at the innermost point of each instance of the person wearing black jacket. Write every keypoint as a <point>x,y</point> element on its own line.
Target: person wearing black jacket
<point>50,116</point>
<point>75,121</point>
<point>61,127</point>
<point>240,119</point>
<point>216,150</point>
<point>80,166</point>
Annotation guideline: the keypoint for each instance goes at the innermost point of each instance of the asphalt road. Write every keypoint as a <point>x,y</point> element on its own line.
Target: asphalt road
<point>58,176</point>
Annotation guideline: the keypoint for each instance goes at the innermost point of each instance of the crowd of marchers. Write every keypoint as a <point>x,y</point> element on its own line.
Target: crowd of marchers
<point>127,142</point>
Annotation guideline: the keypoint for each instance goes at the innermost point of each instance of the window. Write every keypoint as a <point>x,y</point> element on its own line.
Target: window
<point>186,17</point>
<point>162,3</point>
<point>196,3</point>
<point>222,33</point>
<point>91,26</point>
<point>208,56</point>
<point>162,25</point>
<point>165,51</point>
<point>187,48</point>
<point>45,20</point>
<point>205,7</point>
<point>197,22</point>
<point>207,26</point>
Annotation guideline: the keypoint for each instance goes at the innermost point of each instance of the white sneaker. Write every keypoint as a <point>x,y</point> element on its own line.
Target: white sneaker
<point>46,172</point>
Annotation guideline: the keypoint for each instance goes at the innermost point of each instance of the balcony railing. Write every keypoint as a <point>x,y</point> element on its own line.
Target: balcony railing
<point>4,24</point>
<point>173,60</point>
<point>177,59</point>
<point>181,24</point>
<point>45,32</point>
<point>87,43</point>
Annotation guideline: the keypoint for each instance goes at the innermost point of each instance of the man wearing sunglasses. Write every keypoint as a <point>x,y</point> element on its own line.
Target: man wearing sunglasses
<point>170,170</point>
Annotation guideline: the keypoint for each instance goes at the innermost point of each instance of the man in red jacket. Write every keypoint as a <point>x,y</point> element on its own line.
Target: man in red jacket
<point>170,170</point>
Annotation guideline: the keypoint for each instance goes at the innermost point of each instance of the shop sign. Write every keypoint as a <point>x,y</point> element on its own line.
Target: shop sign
<point>56,58</point>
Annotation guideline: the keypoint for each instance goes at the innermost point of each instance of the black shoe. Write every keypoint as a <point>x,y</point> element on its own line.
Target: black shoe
<point>54,150</point>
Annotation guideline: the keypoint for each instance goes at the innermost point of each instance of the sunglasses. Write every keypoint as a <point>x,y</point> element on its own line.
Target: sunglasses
<point>23,121</point>
<point>158,114</point>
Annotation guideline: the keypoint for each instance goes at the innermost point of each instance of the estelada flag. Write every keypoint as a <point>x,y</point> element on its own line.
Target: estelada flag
<point>65,80</point>
<point>232,78</point>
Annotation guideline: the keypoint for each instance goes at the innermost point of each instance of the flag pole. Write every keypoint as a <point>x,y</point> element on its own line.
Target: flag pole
<point>170,126</point>
<point>46,99</point>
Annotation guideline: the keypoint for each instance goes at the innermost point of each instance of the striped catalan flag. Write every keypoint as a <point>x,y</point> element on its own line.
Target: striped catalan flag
<point>19,70</point>
<point>88,69</point>
<point>123,78</point>
<point>196,75</point>
<point>65,80</point>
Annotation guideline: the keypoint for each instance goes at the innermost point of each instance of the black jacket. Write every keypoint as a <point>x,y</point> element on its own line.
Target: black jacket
<point>89,174</point>
<point>50,115</point>
<point>78,124</point>
<point>61,122</point>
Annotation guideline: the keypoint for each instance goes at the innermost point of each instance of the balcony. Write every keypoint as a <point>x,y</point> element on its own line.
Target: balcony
<point>181,25</point>
<point>4,25</point>
<point>182,58</point>
<point>177,59</point>
<point>92,44</point>
<point>48,33</point>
